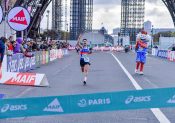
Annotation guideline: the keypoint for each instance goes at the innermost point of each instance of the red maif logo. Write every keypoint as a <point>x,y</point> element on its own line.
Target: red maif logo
<point>23,79</point>
<point>19,18</point>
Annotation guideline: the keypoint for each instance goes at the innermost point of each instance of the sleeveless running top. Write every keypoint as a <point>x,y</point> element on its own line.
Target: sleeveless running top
<point>84,54</point>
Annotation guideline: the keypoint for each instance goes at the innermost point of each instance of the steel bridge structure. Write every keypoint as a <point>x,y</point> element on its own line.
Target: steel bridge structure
<point>38,7</point>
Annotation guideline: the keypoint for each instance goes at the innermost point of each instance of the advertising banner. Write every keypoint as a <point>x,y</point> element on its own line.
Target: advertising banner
<point>85,103</point>
<point>163,53</point>
<point>24,79</point>
<point>53,55</point>
<point>12,63</point>
<point>43,57</point>
<point>21,63</point>
<point>37,58</point>
<point>171,56</point>
<point>47,57</point>
<point>33,61</point>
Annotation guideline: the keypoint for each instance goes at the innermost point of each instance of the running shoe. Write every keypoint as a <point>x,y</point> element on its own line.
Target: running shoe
<point>84,83</point>
<point>141,73</point>
<point>136,71</point>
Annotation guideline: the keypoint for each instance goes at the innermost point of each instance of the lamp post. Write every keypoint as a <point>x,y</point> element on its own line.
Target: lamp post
<point>4,19</point>
<point>66,32</point>
<point>118,38</point>
<point>48,13</point>
<point>152,33</point>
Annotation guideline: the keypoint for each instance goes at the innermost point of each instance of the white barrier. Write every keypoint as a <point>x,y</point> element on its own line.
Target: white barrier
<point>24,79</point>
<point>154,51</point>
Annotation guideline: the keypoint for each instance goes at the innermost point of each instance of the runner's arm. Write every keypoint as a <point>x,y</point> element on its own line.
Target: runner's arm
<point>78,43</point>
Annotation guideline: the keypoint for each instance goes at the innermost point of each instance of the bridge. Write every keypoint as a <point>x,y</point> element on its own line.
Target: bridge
<point>38,8</point>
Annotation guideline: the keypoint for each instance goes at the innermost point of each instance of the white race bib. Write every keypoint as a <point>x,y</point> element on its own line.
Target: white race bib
<point>86,58</point>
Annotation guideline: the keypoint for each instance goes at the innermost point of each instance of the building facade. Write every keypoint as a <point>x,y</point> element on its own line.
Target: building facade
<point>81,15</point>
<point>57,14</point>
<point>132,17</point>
<point>148,27</point>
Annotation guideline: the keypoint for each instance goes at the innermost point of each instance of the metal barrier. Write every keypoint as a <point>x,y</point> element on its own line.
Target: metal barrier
<point>19,63</point>
<point>162,54</point>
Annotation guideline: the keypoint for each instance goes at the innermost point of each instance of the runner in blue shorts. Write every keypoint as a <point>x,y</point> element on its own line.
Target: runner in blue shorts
<point>84,59</point>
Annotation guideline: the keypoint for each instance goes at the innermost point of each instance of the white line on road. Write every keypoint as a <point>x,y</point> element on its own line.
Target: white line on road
<point>156,111</point>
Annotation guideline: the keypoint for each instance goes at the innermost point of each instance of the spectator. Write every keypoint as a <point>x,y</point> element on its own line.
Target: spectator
<point>3,41</point>
<point>173,48</point>
<point>20,49</point>
<point>9,47</point>
<point>34,46</point>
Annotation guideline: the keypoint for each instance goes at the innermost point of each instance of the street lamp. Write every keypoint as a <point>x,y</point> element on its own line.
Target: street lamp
<point>48,13</point>
<point>152,33</point>
<point>66,32</point>
<point>118,38</point>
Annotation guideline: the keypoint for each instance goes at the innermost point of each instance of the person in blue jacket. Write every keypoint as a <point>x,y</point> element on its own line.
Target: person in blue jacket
<point>2,49</point>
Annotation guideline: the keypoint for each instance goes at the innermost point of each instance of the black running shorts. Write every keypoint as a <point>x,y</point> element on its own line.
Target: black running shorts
<point>83,63</point>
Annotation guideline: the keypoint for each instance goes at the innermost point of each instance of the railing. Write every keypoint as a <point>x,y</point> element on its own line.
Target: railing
<point>167,54</point>
<point>20,63</point>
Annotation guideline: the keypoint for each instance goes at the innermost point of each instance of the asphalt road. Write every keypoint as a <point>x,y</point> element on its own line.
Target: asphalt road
<point>105,75</point>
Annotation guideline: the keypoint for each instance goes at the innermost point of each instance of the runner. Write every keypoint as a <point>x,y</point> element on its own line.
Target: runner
<point>141,49</point>
<point>84,59</point>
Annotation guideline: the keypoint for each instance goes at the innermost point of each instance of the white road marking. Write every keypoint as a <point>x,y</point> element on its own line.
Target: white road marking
<point>24,92</point>
<point>147,80</point>
<point>156,111</point>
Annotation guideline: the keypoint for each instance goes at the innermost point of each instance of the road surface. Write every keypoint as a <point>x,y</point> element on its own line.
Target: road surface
<point>106,75</point>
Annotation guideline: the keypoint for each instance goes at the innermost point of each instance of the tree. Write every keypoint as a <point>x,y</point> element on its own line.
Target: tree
<point>163,34</point>
<point>55,35</point>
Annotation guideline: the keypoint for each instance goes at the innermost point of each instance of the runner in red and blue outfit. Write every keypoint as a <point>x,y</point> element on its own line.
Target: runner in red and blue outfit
<point>84,59</point>
<point>141,50</point>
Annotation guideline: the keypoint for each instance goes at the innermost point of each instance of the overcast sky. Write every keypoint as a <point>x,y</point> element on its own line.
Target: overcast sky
<point>108,12</point>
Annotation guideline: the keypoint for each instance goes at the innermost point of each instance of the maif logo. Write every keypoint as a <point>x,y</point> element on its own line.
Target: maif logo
<point>22,79</point>
<point>54,106</point>
<point>172,100</point>
<point>19,18</point>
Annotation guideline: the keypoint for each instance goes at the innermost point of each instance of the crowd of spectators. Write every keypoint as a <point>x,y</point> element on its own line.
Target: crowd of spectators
<point>26,46</point>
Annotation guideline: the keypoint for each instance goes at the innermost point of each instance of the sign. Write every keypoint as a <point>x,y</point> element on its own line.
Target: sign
<point>86,103</point>
<point>1,14</point>
<point>24,79</point>
<point>19,18</point>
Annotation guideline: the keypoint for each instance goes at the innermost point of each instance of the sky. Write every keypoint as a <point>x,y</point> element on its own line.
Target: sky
<point>108,14</point>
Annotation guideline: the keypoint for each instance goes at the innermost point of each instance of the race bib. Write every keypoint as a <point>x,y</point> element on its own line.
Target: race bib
<point>86,58</point>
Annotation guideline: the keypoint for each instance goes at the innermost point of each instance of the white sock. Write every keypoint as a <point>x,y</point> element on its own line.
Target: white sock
<point>85,78</point>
